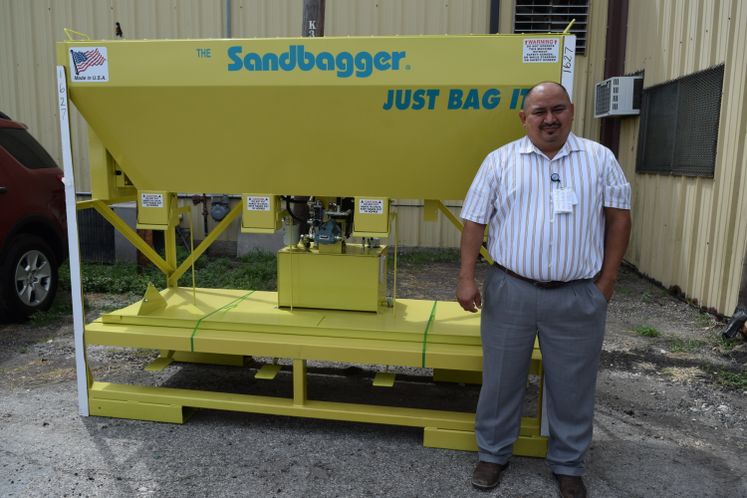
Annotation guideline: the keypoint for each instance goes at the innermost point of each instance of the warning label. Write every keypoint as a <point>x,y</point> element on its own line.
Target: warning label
<point>371,206</point>
<point>540,50</point>
<point>151,200</point>
<point>257,203</point>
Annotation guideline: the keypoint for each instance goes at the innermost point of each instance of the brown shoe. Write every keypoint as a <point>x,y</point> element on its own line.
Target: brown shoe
<point>571,486</point>
<point>487,475</point>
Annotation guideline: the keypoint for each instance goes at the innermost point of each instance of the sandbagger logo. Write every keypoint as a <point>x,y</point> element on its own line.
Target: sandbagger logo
<point>89,64</point>
<point>344,64</point>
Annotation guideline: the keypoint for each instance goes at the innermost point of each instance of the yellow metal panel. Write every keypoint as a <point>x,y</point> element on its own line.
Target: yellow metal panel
<point>158,364</point>
<point>409,417</point>
<point>371,217</point>
<point>140,117</point>
<point>242,311</point>
<point>234,322</point>
<point>354,280</point>
<point>136,410</point>
<point>267,372</point>
<point>430,210</point>
<point>525,445</point>
<point>106,184</point>
<point>152,301</point>
<point>300,386</point>
<point>260,213</point>
<point>153,208</point>
<point>97,332</point>
<point>384,379</point>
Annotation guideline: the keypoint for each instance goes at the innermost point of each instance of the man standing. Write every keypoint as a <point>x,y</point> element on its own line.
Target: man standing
<point>558,207</point>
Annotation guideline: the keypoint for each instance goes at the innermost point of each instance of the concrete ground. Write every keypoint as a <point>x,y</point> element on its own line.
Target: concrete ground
<point>667,423</point>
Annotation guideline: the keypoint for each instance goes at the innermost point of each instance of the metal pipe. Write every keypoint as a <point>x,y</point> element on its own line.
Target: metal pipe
<point>228,19</point>
<point>614,65</point>
<point>495,8</point>
<point>313,18</point>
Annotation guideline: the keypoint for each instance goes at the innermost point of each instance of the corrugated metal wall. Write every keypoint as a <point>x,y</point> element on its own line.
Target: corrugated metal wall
<point>29,29</point>
<point>692,232</point>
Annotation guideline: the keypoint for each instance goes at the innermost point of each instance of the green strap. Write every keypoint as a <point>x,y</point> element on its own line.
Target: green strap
<point>227,307</point>
<point>427,328</point>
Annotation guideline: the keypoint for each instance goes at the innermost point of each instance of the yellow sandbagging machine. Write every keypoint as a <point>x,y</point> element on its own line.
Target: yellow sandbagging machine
<point>317,136</point>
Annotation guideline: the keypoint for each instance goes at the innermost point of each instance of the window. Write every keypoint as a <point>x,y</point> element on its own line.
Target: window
<point>679,125</point>
<point>552,16</point>
<point>27,151</point>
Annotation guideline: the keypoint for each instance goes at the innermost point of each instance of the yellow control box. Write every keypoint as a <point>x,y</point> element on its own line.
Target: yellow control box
<point>371,217</point>
<point>260,213</point>
<point>153,209</point>
<point>311,279</point>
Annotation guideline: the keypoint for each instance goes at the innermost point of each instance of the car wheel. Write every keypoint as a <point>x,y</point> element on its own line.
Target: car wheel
<point>29,276</point>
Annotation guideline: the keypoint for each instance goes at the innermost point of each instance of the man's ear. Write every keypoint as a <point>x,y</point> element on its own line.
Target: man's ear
<point>522,118</point>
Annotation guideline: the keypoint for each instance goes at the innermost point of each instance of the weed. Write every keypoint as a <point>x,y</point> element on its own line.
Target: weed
<point>647,331</point>
<point>254,271</point>
<point>724,345</point>
<point>677,345</point>
<point>733,380</point>
<point>704,320</point>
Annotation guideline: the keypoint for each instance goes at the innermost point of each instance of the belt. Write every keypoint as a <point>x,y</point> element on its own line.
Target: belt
<point>553,284</point>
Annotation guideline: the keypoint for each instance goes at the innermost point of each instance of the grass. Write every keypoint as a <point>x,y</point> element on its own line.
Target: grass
<point>256,271</point>
<point>423,257</point>
<point>61,307</point>
<point>704,320</point>
<point>677,345</point>
<point>623,290</point>
<point>647,297</point>
<point>647,331</point>
<point>733,380</point>
<point>724,345</point>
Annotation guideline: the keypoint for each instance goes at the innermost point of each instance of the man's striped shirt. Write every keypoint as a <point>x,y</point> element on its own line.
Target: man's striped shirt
<point>512,192</point>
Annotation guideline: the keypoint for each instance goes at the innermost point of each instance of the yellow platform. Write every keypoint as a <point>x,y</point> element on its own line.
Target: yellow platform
<point>413,333</point>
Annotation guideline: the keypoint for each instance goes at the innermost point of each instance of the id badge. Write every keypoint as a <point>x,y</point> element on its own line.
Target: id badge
<point>563,200</point>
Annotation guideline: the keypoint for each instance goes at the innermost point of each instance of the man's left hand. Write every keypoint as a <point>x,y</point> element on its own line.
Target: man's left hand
<point>606,287</point>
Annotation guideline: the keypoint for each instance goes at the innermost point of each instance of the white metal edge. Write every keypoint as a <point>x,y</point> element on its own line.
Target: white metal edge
<point>76,288</point>
<point>568,63</point>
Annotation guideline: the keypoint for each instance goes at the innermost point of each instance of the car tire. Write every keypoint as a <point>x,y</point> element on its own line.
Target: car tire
<point>28,277</point>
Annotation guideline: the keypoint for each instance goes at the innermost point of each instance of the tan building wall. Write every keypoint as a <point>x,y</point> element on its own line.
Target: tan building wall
<point>30,28</point>
<point>691,232</point>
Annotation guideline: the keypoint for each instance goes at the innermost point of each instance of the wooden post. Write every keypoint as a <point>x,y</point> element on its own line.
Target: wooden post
<point>313,18</point>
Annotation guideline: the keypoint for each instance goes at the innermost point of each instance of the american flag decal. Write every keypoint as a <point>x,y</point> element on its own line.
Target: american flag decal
<point>84,60</point>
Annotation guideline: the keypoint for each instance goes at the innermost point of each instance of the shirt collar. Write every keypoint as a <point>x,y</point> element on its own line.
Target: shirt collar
<point>572,144</point>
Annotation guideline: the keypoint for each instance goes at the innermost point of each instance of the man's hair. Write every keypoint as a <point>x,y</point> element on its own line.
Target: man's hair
<point>526,97</point>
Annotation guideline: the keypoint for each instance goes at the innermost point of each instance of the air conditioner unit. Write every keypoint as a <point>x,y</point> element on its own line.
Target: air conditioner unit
<point>618,96</point>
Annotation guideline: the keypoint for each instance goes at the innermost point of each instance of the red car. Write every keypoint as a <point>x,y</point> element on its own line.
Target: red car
<point>33,236</point>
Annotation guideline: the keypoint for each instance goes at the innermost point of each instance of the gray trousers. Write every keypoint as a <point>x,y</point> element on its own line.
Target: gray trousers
<point>570,323</point>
